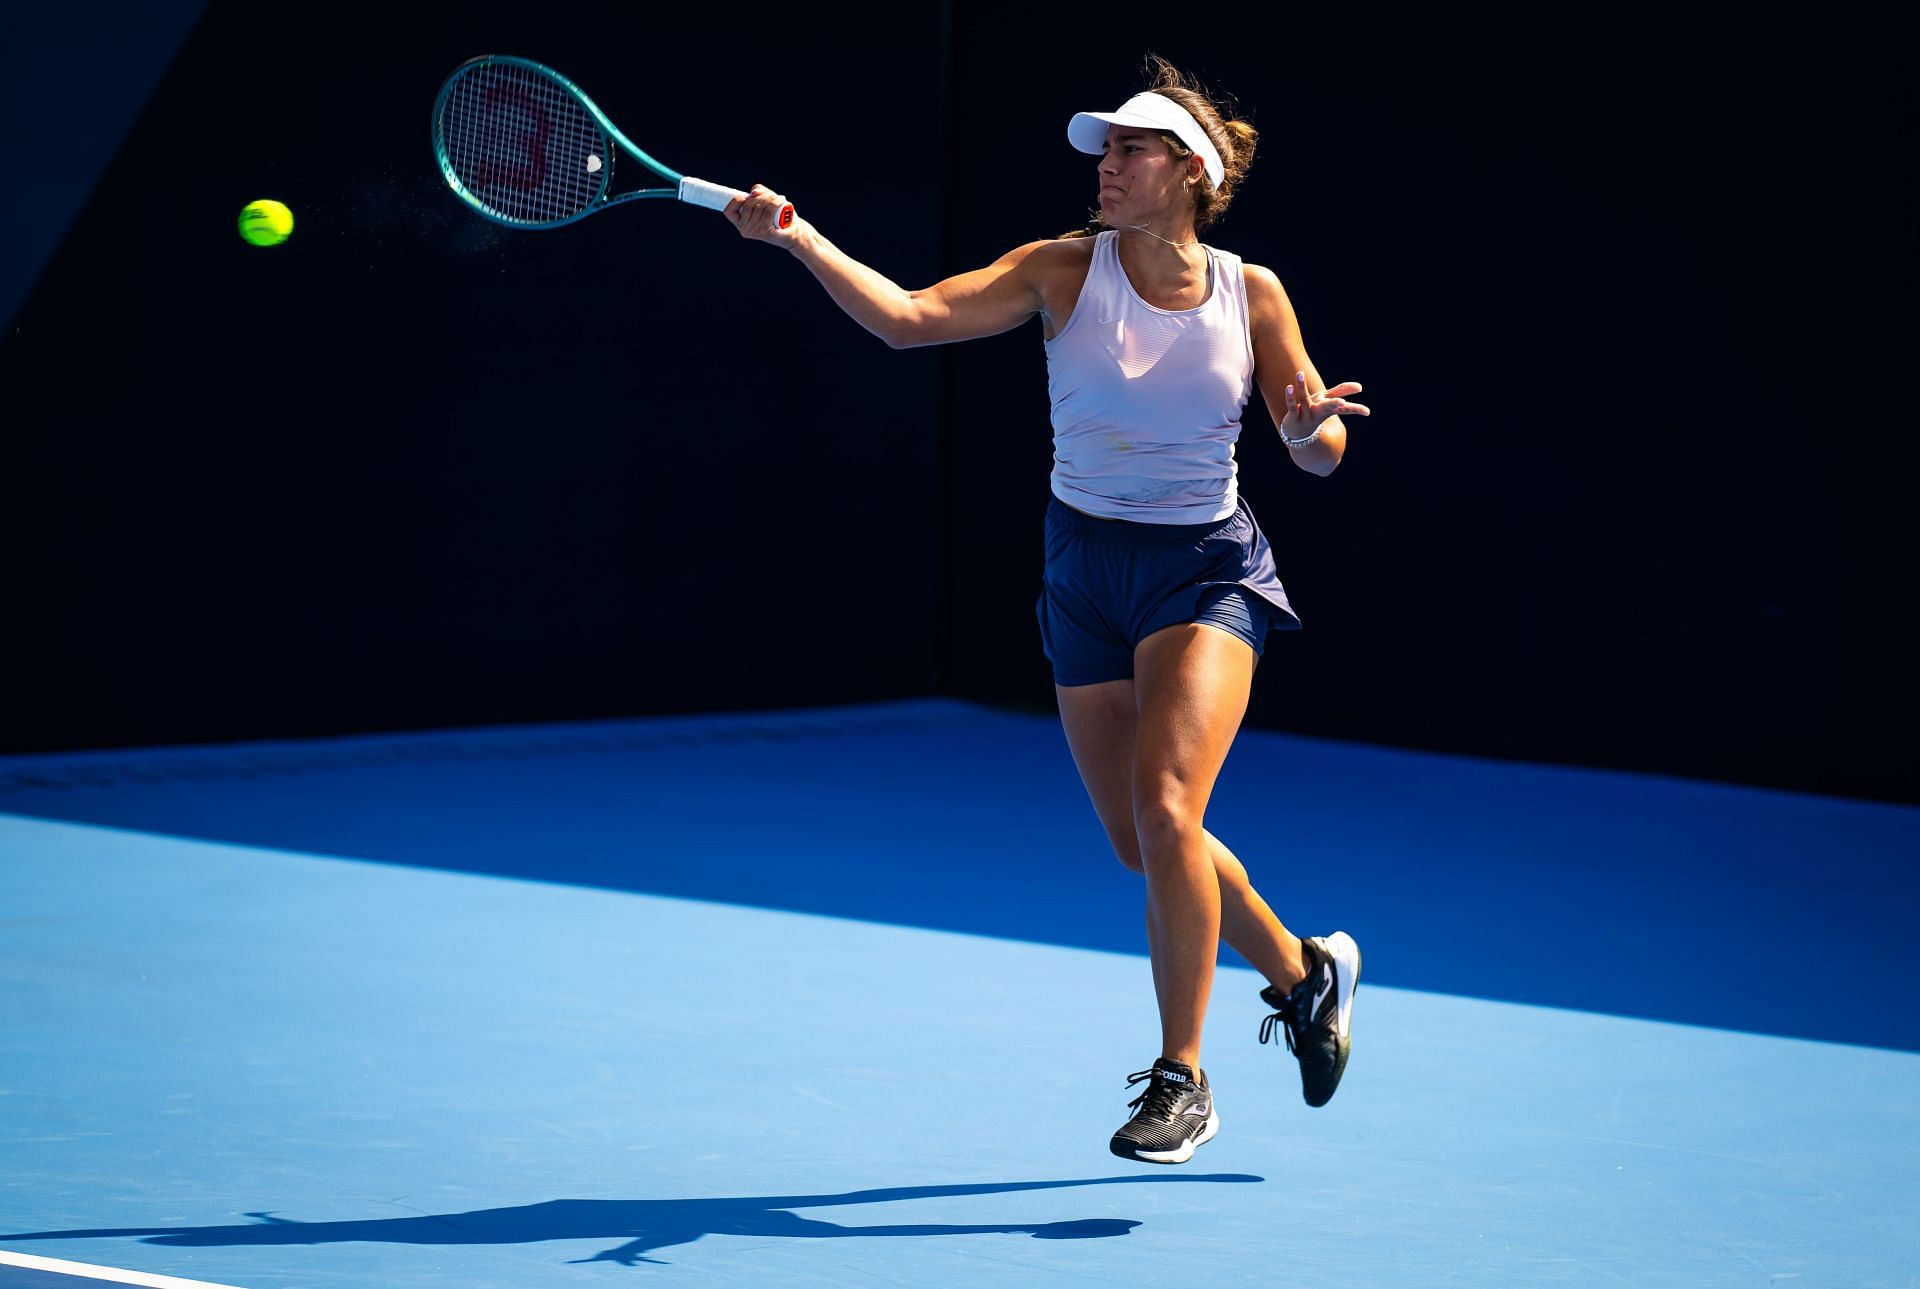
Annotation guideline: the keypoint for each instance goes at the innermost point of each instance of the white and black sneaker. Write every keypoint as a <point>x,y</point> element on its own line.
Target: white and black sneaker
<point>1317,1015</point>
<point>1174,1115</point>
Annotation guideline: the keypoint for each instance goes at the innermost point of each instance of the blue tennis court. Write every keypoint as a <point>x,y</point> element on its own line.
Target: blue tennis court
<point>848,995</point>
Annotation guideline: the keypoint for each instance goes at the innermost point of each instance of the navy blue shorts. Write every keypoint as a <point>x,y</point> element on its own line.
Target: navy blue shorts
<point>1111,583</point>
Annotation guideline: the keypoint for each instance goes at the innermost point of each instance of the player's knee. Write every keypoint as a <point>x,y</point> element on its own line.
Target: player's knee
<point>1160,823</point>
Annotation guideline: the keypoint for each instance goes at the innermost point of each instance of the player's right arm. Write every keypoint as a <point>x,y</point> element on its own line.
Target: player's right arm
<point>984,302</point>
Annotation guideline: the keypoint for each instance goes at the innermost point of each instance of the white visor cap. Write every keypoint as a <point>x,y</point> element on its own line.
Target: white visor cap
<point>1087,131</point>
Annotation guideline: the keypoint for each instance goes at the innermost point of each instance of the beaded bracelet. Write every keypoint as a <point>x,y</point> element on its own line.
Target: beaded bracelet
<point>1301,443</point>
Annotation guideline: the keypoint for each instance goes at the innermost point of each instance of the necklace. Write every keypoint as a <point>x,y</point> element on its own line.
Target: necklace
<point>1150,233</point>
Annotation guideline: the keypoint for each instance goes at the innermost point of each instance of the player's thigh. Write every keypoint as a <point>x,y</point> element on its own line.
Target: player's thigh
<point>1192,682</point>
<point>1100,721</point>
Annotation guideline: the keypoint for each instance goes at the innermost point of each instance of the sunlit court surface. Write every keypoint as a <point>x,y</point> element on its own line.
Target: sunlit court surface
<point>757,998</point>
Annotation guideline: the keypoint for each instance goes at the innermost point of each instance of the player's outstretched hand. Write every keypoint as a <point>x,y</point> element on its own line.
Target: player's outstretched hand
<point>755,217</point>
<point>1304,417</point>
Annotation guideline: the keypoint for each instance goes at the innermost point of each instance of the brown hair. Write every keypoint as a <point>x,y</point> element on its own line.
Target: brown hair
<point>1233,138</point>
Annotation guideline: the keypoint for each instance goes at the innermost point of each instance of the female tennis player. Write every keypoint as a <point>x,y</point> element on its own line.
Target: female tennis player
<point>1159,587</point>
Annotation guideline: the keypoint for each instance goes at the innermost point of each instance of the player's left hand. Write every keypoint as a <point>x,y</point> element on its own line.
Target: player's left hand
<point>1305,410</point>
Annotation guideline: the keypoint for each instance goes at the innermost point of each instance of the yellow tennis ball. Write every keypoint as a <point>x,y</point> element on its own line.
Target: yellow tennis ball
<point>266,223</point>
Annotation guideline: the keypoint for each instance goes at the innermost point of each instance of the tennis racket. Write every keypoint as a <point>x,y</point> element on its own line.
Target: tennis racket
<point>524,146</point>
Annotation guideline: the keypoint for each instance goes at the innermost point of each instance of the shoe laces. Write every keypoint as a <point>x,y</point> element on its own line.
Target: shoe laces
<point>1282,1020</point>
<point>1159,1097</point>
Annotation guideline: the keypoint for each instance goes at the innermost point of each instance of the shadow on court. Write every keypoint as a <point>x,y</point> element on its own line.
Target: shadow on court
<point>646,1225</point>
<point>872,812</point>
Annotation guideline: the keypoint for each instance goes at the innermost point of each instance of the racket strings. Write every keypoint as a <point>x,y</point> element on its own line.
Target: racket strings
<point>522,145</point>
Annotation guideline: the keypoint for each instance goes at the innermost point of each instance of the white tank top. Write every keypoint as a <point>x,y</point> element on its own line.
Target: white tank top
<point>1147,401</point>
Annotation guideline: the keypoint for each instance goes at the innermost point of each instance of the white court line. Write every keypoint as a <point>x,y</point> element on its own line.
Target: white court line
<point>111,1274</point>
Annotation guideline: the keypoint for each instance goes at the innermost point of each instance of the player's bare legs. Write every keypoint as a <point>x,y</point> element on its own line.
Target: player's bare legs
<point>1249,925</point>
<point>1192,682</point>
<point>1311,985</point>
<point>1100,723</point>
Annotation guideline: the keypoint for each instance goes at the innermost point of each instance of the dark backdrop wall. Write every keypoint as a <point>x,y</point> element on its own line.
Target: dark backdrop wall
<point>73,79</point>
<point>412,469</point>
<point>1633,493</point>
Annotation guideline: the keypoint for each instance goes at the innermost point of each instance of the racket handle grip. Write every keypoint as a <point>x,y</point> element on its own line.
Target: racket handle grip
<point>716,196</point>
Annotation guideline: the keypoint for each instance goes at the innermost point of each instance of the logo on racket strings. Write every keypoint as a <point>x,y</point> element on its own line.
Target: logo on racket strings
<point>513,144</point>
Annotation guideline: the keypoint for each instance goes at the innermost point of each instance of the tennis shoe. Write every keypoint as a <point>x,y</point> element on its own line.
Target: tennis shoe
<point>1172,1117</point>
<point>1316,1015</point>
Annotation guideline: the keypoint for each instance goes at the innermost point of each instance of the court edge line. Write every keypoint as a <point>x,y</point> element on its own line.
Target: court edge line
<point>115,1275</point>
